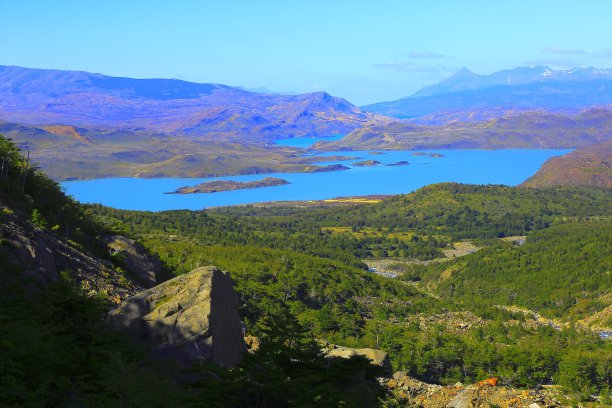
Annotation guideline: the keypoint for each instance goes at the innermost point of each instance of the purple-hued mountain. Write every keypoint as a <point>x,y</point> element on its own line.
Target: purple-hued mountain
<point>41,96</point>
<point>466,80</point>
<point>466,96</point>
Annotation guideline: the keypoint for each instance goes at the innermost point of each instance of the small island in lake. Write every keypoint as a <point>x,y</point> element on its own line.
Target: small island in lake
<point>366,163</point>
<point>436,155</point>
<point>399,163</point>
<point>228,185</point>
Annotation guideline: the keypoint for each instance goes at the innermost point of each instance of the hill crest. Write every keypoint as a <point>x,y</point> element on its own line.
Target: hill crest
<point>213,111</point>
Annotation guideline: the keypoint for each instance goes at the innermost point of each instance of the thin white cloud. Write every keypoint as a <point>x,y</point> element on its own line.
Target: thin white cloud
<point>409,66</point>
<point>425,55</point>
<point>563,51</point>
<point>605,53</point>
<point>554,62</point>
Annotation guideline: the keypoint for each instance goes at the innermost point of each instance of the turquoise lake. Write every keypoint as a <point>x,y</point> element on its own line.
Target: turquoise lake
<point>306,142</point>
<point>510,167</point>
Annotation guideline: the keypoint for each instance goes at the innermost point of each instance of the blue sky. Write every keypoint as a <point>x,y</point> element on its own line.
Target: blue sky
<point>365,51</point>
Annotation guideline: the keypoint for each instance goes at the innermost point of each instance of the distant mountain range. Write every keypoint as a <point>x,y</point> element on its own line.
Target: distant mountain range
<point>46,97</point>
<point>221,112</point>
<point>467,96</point>
<point>539,130</point>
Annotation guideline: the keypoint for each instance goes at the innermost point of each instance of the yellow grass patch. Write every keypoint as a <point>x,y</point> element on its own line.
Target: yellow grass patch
<point>370,232</point>
<point>356,200</point>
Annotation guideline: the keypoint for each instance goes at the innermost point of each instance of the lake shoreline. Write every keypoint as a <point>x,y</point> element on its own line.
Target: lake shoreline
<point>509,167</point>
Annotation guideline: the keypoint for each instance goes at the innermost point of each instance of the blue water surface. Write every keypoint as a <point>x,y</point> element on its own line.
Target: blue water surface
<point>510,167</point>
<point>306,142</point>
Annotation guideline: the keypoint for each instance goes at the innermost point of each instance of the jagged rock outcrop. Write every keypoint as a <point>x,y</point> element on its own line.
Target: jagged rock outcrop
<point>144,267</point>
<point>188,318</point>
<point>376,357</point>
<point>42,255</point>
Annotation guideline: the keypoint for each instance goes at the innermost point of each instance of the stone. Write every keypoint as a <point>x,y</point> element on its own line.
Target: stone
<point>465,399</point>
<point>144,267</point>
<point>376,357</point>
<point>192,317</point>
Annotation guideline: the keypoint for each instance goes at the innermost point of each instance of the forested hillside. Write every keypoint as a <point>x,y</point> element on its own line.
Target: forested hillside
<point>449,210</point>
<point>57,351</point>
<point>301,280</point>
<point>293,259</point>
<point>570,262</point>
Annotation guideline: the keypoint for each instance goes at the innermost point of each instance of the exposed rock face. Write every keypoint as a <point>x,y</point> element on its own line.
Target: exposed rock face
<point>188,318</point>
<point>42,255</point>
<point>68,131</point>
<point>144,267</point>
<point>413,392</point>
<point>377,357</point>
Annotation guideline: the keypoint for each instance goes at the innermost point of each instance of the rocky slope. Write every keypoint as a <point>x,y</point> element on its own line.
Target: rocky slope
<point>43,256</point>
<point>39,96</point>
<point>589,166</point>
<point>537,130</point>
<point>411,392</point>
<point>190,317</point>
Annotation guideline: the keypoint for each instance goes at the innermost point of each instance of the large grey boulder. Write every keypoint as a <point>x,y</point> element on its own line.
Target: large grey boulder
<point>188,318</point>
<point>143,266</point>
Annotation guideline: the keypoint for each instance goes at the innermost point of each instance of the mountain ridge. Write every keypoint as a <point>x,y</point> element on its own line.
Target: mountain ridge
<point>214,111</point>
<point>465,79</point>
<point>465,95</point>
